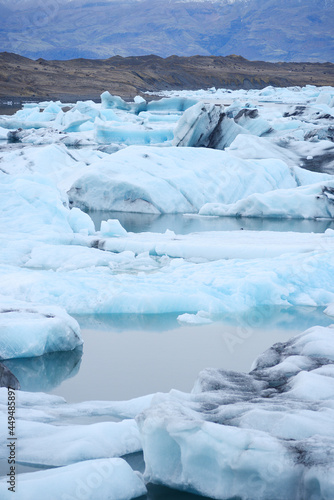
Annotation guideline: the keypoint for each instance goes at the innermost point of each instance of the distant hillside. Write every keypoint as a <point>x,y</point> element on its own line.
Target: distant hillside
<point>270,30</point>
<point>85,78</point>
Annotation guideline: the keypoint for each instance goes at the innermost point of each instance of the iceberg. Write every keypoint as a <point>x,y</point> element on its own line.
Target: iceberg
<point>206,125</point>
<point>174,180</point>
<point>215,245</point>
<point>266,434</point>
<point>306,202</point>
<point>48,408</point>
<point>250,120</point>
<point>28,330</point>
<point>213,126</point>
<point>106,132</point>
<point>106,479</point>
<point>154,285</point>
<point>60,445</point>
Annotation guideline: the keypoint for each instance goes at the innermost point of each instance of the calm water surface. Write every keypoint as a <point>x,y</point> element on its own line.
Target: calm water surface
<point>184,224</point>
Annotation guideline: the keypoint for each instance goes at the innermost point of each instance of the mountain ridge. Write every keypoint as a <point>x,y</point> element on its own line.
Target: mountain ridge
<point>129,76</point>
<point>290,30</point>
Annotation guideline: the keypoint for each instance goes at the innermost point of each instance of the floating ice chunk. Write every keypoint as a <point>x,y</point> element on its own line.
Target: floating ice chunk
<point>171,104</point>
<point>28,330</point>
<point>266,431</point>
<point>196,125</point>
<point>129,133</point>
<point>207,125</point>
<point>52,107</point>
<point>80,222</point>
<point>33,205</point>
<point>109,101</point>
<point>41,407</point>
<point>109,115</point>
<point>201,318</point>
<point>306,202</point>
<point>71,120</point>
<point>202,457</point>
<point>252,147</point>
<point>16,123</point>
<point>174,180</point>
<point>106,479</point>
<point>212,245</point>
<point>139,99</point>
<point>250,120</point>
<point>88,108</point>
<point>330,310</point>
<point>63,444</point>
<point>112,227</point>
<point>158,117</point>
<point>179,286</point>
<point>69,257</point>
<point>3,134</point>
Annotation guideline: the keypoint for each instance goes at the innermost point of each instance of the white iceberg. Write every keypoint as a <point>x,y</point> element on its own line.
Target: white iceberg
<point>106,479</point>
<point>60,445</point>
<point>28,330</point>
<point>175,180</point>
<point>307,202</point>
<point>216,245</point>
<point>48,408</point>
<point>154,286</point>
<point>266,434</point>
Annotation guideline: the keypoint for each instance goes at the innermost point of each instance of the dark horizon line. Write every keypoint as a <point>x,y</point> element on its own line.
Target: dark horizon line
<point>236,56</point>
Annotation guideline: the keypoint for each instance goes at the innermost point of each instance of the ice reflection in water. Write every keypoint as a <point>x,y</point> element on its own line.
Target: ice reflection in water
<point>137,223</point>
<point>127,356</point>
<point>44,373</point>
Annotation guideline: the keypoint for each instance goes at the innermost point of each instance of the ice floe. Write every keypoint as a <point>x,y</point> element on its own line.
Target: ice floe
<point>106,479</point>
<point>307,202</point>
<point>28,330</point>
<point>266,434</point>
<point>171,180</point>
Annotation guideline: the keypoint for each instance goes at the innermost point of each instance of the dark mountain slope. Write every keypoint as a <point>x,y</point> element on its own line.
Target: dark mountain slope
<point>20,76</point>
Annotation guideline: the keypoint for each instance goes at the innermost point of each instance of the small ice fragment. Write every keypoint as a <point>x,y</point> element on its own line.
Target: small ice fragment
<point>112,227</point>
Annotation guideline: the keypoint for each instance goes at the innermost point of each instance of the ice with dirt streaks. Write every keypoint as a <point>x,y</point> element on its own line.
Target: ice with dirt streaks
<point>266,434</point>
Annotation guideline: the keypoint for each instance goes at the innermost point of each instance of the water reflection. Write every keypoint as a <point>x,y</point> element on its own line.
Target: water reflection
<point>44,373</point>
<point>184,224</point>
<point>264,316</point>
<point>7,378</point>
<point>129,356</point>
<point>123,322</point>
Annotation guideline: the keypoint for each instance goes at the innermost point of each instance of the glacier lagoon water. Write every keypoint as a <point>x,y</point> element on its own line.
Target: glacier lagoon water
<point>184,224</point>
<point>127,356</point>
<point>138,355</point>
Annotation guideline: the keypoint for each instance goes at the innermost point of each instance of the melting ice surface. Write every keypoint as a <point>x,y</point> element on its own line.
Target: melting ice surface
<point>173,237</point>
